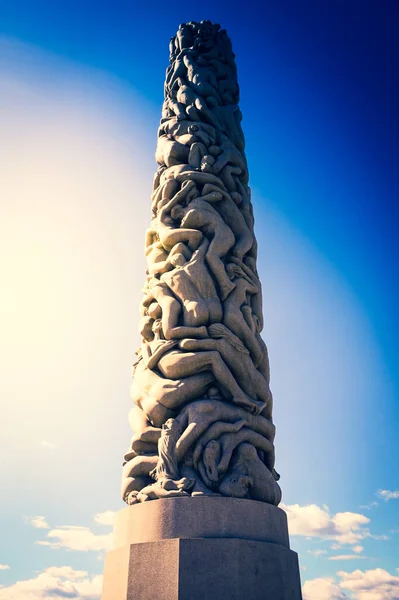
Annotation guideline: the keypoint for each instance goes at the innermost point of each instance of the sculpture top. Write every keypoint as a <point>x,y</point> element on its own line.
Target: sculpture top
<point>202,78</point>
<point>205,39</point>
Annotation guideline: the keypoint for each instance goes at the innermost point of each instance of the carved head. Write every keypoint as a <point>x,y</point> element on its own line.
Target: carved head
<point>172,49</point>
<point>151,237</point>
<point>146,325</point>
<point>236,485</point>
<point>193,129</point>
<point>206,163</point>
<point>187,132</point>
<point>154,310</point>
<point>233,270</point>
<point>177,212</point>
<point>172,428</point>
<point>168,424</point>
<point>207,30</point>
<point>214,393</point>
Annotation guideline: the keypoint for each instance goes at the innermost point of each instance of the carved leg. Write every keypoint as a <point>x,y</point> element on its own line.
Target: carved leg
<point>218,248</point>
<point>176,365</point>
<point>170,237</point>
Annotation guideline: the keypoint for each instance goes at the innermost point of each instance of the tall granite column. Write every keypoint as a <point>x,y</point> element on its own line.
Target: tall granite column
<point>202,520</point>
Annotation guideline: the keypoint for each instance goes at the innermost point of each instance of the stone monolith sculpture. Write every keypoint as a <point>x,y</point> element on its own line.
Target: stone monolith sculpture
<point>199,478</point>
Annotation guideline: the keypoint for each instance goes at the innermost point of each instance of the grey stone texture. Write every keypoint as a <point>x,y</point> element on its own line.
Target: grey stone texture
<point>202,414</point>
<point>200,517</point>
<point>204,569</point>
<point>201,548</point>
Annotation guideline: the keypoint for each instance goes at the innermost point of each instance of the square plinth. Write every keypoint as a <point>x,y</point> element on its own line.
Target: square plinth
<point>202,569</point>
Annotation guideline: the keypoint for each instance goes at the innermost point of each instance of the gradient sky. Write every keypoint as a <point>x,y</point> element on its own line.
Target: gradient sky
<point>81,88</point>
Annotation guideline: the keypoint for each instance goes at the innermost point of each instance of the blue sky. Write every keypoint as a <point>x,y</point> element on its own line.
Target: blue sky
<point>81,88</point>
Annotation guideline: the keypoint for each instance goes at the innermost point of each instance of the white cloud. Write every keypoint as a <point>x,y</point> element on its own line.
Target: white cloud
<point>55,583</point>
<point>4,567</point>
<point>369,506</point>
<point>81,539</point>
<point>316,521</point>
<point>346,557</point>
<point>72,537</point>
<point>375,584</point>
<point>66,572</point>
<point>388,494</point>
<point>358,549</point>
<point>317,552</point>
<point>38,522</point>
<point>323,588</point>
<point>105,518</point>
<point>381,537</point>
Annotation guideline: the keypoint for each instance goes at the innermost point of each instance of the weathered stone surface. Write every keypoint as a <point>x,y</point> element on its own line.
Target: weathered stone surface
<point>231,569</point>
<point>202,416</point>
<point>200,517</point>
<point>205,569</point>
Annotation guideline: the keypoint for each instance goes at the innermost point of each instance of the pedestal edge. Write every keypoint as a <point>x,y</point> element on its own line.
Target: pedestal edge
<point>200,517</point>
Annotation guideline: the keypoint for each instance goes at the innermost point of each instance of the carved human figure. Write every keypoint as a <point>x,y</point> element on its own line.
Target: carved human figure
<point>175,364</point>
<point>178,69</point>
<point>202,79</point>
<point>168,482</point>
<point>249,477</point>
<point>237,313</point>
<point>232,216</point>
<point>177,137</point>
<point>146,436</point>
<point>237,358</point>
<point>170,234</point>
<point>159,397</point>
<point>193,285</point>
<point>184,36</point>
<point>200,215</point>
<point>171,312</point>
<point>197,417</point>
<point>228,442</point>
<point>189,104</point>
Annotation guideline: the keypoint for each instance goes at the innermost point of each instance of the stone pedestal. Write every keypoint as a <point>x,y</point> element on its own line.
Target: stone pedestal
<point>201,548</point>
